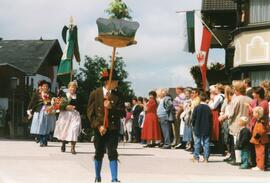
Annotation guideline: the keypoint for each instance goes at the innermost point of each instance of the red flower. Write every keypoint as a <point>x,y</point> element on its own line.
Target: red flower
<point>104,73</point>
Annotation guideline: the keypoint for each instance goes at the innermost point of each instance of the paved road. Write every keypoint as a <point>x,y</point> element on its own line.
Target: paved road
<point>26,162</point>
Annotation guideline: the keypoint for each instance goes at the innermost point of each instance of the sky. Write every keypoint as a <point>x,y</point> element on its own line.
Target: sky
<point>157,61</point>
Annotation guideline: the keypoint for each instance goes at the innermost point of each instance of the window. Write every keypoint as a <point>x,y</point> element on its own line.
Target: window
<point>259,11</point>
<point>257,77</point>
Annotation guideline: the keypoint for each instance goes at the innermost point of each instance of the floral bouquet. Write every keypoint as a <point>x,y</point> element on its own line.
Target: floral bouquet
<point>46,99</point>
<point>55,106</point>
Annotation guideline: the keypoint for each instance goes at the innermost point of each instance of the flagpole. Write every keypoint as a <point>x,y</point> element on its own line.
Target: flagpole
<point>71,70</point>
<point>112,66</point>
<point>184,11</point>
<point>209,29</point>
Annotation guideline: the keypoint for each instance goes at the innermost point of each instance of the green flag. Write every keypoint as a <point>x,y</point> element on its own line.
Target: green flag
<point>187,39</point>
<point>65,69</point>
<point>190,31</point>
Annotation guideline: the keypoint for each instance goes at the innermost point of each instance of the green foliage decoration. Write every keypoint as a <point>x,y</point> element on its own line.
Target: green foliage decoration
<point>118,9</point>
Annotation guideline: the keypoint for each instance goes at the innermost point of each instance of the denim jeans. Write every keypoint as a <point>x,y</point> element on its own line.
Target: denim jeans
<point>199,142</point>
<point>245,154</point>
<point>43,139</point>
<point>166,131</point>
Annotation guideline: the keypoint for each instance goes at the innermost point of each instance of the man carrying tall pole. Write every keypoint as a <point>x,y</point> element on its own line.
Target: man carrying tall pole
<point>106,101</point>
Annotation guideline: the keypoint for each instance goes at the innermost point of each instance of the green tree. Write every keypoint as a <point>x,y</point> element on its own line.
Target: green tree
<point>88,79</point>
<point>215,74</point>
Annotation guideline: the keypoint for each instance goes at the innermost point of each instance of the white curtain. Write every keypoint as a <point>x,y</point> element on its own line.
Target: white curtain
<point>257,77</point>
<point>259,11</point>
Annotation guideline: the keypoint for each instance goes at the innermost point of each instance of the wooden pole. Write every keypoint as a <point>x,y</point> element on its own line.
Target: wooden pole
<point>208,29</point>
<point>109,85</point>
<point>71,70</point>
<point>112,66</point>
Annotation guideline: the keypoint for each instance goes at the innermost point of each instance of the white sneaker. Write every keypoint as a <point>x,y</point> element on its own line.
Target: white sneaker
<point>256,168</point>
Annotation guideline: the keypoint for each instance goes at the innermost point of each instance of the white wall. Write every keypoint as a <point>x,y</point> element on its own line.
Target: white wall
<point>38,77</point>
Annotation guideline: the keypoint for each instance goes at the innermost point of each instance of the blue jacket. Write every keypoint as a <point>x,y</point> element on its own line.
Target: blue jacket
<point>202,120</point>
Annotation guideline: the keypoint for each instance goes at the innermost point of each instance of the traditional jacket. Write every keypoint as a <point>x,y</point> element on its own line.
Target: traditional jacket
<point>95,109</point>
<point>259,134</point>
<point>36,102</point>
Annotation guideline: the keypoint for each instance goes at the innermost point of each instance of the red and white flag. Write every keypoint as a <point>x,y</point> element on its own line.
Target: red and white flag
<point>202,44</point>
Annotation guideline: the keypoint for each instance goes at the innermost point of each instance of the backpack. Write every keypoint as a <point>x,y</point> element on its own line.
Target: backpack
<point>168,106</point>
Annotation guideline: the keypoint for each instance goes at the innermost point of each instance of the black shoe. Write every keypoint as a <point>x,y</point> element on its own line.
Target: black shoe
<point>150,145</point>
<point>228,159</point>
<point>37,140</point>
<point>233,162</point>
<point>73,151</point>
<point>190,149</point>
<point>98,180</point>
<point>63,148</point>
<point>116,180</point>
<point>166,147</point>
<point>180,146</point>
<point>42,145</point>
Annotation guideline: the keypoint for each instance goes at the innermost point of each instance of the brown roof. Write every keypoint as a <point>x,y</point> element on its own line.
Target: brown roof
<point>218,5</point>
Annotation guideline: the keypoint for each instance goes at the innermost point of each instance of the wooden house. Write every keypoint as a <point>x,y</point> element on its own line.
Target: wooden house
<point>243,28</point>
<point>22,64</point>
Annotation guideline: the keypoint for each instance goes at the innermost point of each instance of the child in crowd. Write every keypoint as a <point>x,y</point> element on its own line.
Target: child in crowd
<point>128,124</point>
<point>259,138</point>
<point>243,142</point>
<point>201,122</point>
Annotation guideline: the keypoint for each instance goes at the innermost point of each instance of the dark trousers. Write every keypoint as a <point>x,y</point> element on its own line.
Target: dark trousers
<point>106,143</point>
<point>252,155</point>
<point>43,139</point>
<point>231,146</point>
<point>220,144</point>
<point>137,133</point>
<point>176,126</point>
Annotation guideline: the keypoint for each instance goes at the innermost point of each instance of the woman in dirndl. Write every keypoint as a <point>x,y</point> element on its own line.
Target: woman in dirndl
<point>43,122</point>
<point>31,113</point>
<point>68,125</point>
<point>217,97</point>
